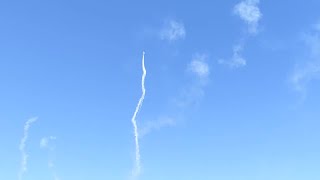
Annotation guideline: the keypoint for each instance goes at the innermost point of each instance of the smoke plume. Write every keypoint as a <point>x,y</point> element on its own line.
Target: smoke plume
<point>22,148</point>
<point>137,169</point>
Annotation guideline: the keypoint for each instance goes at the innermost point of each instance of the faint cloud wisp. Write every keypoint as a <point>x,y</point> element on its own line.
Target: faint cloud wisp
<point>237,60</point>
<point>150,126</point>
<point>45,144</point>
<point>45,141</point>
<point>199,67</point>
<point>310,68</point>
<point>249,12</point>
<point>172,31</point>
<point>200,71</point>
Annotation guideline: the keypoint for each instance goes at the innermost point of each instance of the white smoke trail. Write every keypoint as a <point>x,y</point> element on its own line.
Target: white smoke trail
<point>22,147</point>
<point>137,169</point>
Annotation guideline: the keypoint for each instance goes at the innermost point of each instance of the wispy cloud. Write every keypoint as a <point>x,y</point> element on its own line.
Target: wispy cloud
<point>236,60</point>
<point>309,70</point>
<point>172,31</point>
<point>200,70</point>
<point>199,66</point>
<point>303,75</point>
<point>249,12</point>
<point>22,148</point>
<point>150,126</point>
<point>45,144</point>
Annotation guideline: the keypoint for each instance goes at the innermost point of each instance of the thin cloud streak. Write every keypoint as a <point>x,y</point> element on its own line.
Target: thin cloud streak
<point>309,70</point>
<point>22,148</point>
<point>150,126</point>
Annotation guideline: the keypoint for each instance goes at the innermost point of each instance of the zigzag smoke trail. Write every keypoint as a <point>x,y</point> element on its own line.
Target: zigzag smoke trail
<point>22,147</point>
<point>134,122</point>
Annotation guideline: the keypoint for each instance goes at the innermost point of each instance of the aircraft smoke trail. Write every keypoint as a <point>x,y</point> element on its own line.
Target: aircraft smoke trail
<point>137,169</point>
<point>22,147</point>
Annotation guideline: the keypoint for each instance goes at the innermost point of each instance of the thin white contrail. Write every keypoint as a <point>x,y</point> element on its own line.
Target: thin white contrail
<point>134,122</point>
<point>22,146</point>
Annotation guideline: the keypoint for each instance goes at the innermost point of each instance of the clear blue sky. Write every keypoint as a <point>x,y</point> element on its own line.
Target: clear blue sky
<point>232,89</point>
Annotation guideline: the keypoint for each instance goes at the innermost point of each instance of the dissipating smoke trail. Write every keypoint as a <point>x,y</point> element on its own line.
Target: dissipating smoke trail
<point>137,169</point>
<point>22,148</point>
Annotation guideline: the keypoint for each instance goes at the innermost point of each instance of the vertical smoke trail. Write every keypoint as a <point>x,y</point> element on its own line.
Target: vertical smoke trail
<point>22,147</point>
<point>134,122</point>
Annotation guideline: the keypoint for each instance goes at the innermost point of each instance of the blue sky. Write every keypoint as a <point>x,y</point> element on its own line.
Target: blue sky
<point>232,89</point>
